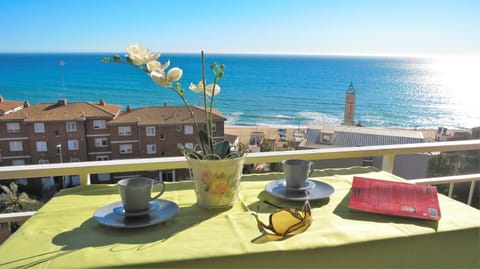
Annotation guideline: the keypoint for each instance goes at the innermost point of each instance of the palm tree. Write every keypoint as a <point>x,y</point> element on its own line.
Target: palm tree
<point>11,201</point>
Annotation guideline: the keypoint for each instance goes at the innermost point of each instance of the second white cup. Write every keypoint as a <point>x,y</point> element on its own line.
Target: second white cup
<point>296,173</point>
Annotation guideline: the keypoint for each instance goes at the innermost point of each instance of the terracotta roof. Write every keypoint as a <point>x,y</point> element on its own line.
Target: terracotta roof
<point>164,115</point>
<point>8,105</point>
<point>62,112</point>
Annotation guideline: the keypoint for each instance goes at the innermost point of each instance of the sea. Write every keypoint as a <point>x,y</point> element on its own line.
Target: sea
<point>267,90</point>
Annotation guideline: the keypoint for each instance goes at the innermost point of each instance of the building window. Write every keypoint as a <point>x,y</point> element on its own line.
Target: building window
<point>179,128</point>
<point>162,136</point>
<point>99,124</point>
<point>103,177</point>
<point>39,127</point>
<point>326,138</point>
<point>151,148</point>
<point>71,126</point>
<point>16,146</point>
<point>41,146</point>
<point>151,130</point>
<point>188,129</point>
<point>73,144</point>
<point>126,148</point>
<point>20,181</point>
<point>214,127</point>
<point>18,162</point>
<point>189,145</point>
<point>162,153</point>
<point>102,158</point>
<point>124,130</point>
<point>101,142</point>
<point>167,175</point>
<point>42,161</point>
<point>13,127</point>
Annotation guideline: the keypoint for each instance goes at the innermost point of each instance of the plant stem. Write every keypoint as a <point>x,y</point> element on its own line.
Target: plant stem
<point>210,131</point>
<point>197,128</point>
<point>207,119</point>
<point>140,67</point>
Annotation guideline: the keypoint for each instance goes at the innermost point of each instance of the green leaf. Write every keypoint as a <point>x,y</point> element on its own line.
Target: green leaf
<point>204,140</point>
<point>14,187</point>
<point>24,196</point>
<point>6,189</point>
<point>222,149</point>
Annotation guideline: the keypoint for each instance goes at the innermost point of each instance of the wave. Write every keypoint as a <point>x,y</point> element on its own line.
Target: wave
<point>318,118</point>
<point>303,119</point>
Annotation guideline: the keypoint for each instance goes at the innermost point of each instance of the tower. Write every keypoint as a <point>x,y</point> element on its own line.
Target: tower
<point>349,106</point>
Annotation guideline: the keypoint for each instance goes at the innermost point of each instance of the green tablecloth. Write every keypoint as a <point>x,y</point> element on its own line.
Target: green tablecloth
<point>63,233</point>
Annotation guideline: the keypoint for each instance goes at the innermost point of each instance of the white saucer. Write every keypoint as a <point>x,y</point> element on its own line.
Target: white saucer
<point>165,210</point>
<point>278,189</point>
<point>121,211</point>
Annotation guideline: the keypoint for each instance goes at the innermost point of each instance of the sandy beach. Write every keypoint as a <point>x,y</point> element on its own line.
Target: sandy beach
<point>243,132</point>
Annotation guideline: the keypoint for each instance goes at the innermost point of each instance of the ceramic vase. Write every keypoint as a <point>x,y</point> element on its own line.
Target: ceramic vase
<point>216,182</point>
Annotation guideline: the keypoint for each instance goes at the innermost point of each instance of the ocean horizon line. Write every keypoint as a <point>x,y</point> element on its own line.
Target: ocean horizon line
<point>305,54</point>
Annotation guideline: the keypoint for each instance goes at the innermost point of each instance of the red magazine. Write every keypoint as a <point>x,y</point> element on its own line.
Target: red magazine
<point>394,198</point>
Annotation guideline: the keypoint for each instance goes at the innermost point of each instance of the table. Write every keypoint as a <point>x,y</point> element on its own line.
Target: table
<point>63,233</point>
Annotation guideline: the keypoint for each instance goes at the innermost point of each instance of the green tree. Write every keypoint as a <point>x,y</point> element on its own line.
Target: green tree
<point>439,166</point>
<point>12,201</point>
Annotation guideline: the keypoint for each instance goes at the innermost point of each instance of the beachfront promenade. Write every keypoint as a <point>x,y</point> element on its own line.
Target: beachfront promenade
<point>243,132</point>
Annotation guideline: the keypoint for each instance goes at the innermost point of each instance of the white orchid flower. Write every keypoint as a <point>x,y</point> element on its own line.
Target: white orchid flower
<point>174,74</point>
<point>139,55</point>
<point>158,76</point>
<point>209,90</point>
<point>196,88</point>
<point>165,80</point>
<point>156,64</point>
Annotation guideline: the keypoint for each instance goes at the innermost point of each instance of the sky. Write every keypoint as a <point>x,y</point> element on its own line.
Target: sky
<point>248,26</point>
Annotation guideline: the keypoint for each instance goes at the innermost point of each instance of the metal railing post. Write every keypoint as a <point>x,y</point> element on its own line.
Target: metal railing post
<point>85,179</point>
<point>388,163</point>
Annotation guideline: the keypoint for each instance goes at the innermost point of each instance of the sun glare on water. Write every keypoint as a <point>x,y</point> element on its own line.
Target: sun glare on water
<point>458,76</point>
<point>457,81</point>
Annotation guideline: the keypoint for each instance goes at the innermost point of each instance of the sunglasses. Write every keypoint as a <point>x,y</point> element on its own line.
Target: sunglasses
<point>285,221</point>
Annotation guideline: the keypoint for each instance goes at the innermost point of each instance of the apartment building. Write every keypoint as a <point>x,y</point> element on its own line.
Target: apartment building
<point>54,132</point>
<point>156,131</point>
<point>85,131</point>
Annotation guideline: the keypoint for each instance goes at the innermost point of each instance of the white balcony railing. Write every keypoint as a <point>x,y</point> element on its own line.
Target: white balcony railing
<point>85,169</point>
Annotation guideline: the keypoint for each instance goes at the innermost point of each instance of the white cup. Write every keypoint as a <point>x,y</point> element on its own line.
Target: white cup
<point>296,173</point>
<point>136,193</point>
